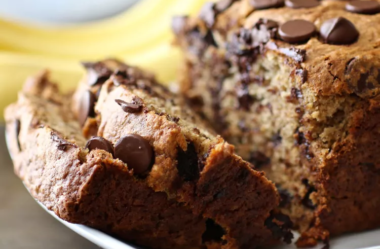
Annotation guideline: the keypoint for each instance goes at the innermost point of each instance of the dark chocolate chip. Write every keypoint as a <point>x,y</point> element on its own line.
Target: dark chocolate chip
<point>97,73</point>
<point>244,98</point>
<point>302,73</point>
<point>179,24</point>
<point>132,107</point>
<point>339,31</point>
<point>209,39</point>
<point>285,197</point>
<point>172,118</point>
<point>61,143</point>
<point>296,31</point>
<point>208,14</point>
<point>266,4</point>
<point>298,4</point>
<point>86,107</point>
<point>214,232</point>
<point>136,152</point>
<point>294,53</point>
<point>17,130</point>
<point>188,163</point>
<point>249,42</point>
<point>276,139</point>
<point>306,201</point>
<point>363,7</point>
<point>280,225</point>
<point>99,143</point>
<point>121,77</point>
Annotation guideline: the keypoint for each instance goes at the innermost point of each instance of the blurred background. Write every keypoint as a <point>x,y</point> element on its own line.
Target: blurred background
<point>39,34</point>
<point>59,34</point>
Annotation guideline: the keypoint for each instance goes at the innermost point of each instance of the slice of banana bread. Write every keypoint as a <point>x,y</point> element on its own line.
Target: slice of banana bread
<point>124,156</point>
<point>294,85</point>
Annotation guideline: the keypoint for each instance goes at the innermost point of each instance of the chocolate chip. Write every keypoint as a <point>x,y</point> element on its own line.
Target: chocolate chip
<point>363,7</point>
<point>61,143</point>
<point>188,163</point>
<point>99,143</point>
<point>136,152</point>
<point>86,107</point>
<point>17,130</point>
<point>302,73</point>
<point>132,107</point>
<point>298,4</point>
<point>214,232</point>
<point>121,77</point>
<point>280,225</point>
<point>179,24</point>
<point>285,197</point>
<point>306,201</point>
<point>266,4</point>
<point>296,31</point>
<point>339,31</point>
<point>208,14</point>
<point>244,98</point>
<point>209,39</point>
<point>97,73</point>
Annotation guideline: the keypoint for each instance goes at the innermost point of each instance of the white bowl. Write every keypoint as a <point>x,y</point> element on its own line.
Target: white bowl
<point>61,11</point>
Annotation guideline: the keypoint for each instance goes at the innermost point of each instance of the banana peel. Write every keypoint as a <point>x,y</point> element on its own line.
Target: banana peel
<point>140,36</point>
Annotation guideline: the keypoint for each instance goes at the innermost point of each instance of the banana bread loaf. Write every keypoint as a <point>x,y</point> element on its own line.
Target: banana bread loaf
<point>295,85</point>
<point>122,156</point>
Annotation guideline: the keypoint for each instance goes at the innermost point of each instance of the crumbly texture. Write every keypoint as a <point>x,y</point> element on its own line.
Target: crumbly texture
<point>198,193</point>
<point>306,114</point>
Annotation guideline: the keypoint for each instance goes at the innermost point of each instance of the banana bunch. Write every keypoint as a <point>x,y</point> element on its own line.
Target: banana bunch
<point>140,36</point>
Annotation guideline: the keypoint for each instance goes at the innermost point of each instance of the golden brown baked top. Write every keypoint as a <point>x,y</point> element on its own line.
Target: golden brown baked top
<point>340,63</point>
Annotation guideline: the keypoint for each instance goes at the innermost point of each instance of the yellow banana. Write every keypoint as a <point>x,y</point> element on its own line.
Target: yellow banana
<point>140,36</point>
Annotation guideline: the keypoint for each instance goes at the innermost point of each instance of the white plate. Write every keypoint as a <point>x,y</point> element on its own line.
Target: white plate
<point>363,240</point>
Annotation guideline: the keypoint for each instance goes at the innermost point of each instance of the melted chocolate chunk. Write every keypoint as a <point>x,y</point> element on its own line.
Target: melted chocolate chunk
<point>121,77</point>
<point>364,84</point>
<point>298,4</point>
<point>244,98</point>
<point>296,54</point>
<point>209,39</point>
<point>280,226</point>
<point>97,73</point>
<point>302,73</point>
<point>61,143</point>
<point>363,7</point>
<point>285,197</point>
<point>306,201</point>
<point>136,152</point>
<point>188,163</point>
<point>99,143</point>
<point>259,160</point>
<point>339,31</point>
<point>214,232</point>
<point>86,107</point>
<point>17,132</point>
<point>296,31</point>
<point>276,139</point>
<point>133,107</point>
<point>266,4</point>
<point>251,41</point>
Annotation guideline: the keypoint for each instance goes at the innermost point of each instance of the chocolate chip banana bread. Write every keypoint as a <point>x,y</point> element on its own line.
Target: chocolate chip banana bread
<point>295,85</point>
<point>123,155</point>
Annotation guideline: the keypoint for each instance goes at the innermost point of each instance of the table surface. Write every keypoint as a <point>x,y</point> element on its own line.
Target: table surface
<point>23,223</point>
